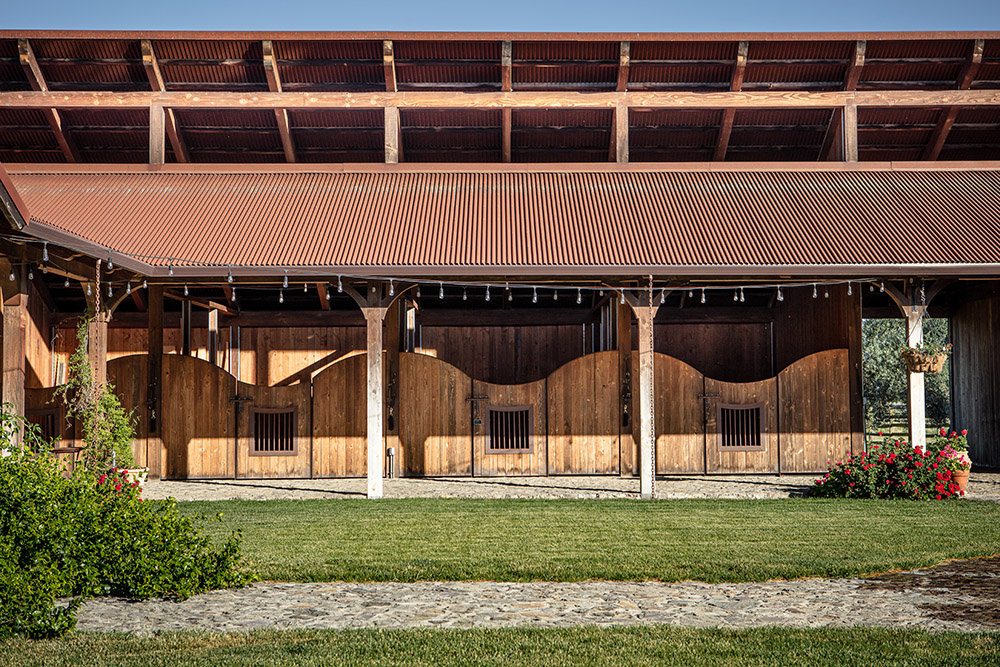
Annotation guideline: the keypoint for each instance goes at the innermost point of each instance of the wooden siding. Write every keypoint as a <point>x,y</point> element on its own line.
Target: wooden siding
<point>284,466</point>
<point>975,364</point>
<point>582,403</point>
<point>680,427</point>
<point>128,375</point>
<point>728,351</point>
<point>744,393</point>
<point>281,356</point>
<point>509,463</point>
<point>340,419</point>
<point>815,412</point>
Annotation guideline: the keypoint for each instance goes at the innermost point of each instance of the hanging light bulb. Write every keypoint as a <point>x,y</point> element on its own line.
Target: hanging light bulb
<point>392,288</point>
<point>12,277</point>
<point>281,296</point>
<point>487,292</point>
<point>663,295</point>
<point>128,288</point>
<point>326,291</point>
<point>305,287</point>
<point>229,276</point>
<point>826,292</point>
<point>233,295</point>
<point>45,269</point>
<point>66,282</point>
<point>170,272</point>
<point>285,281</point>
<point>703,295</point>
<point>534,295</point>
<point>144,285</point>
<point>850,290</point>
<point>45,251</point>
<point>31,273</point>
<point>579,296</point>
<point>510,293</point>
<point>440,290</point>
<point>555,295</point>
<point>110,292</point>
<point>111,264</point>
<point>690,293</point>
<point>465,294</point>
<point>185,289</point>
<point>418,291</point>
<point>600,292</point>
<point>89,291</point>
<point>736,296</point>
<point>815,293</point>
<point>340,285</point>
<point>623,298</point>
<point>881,287</point>
<point>741,295</point>
<point>781,295</point>
<point>871,288</point>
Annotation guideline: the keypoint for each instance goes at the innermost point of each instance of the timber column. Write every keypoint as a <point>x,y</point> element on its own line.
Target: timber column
<point>154,378</point>
<point>15,319</point>
<point>645,418</point>
<point>916,403</point>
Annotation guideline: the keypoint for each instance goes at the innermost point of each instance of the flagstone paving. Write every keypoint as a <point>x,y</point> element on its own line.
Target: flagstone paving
<point>961,595</point>
<point>982,486</point>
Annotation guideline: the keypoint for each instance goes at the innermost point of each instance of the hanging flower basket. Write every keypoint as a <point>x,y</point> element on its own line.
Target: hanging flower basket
<point>919,361</point>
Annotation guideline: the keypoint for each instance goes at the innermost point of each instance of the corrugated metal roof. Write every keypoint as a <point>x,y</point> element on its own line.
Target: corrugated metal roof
<point>534,219</point>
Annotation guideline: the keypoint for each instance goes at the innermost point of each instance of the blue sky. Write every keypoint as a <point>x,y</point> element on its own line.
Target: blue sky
<point>507,15</point>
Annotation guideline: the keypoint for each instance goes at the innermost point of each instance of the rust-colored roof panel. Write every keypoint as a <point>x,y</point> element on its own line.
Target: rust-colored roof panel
<point>533,219</point>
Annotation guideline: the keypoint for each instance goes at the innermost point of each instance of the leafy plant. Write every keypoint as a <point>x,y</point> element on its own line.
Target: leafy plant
<point>108,430</point>
<point>929,348</point>
<point>65,537</point>
<point>892,469</point>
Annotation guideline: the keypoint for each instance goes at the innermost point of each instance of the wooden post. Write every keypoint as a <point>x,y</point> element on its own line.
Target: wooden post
<point>186,328</point>
<point>645,417</point>
<point>850,142</point>
<point>392,135</point>
<point>623,330</point>
<point>916,406</point>
<point>619,135</point>
<point>15,322</point>
<point>97,331</point>
<point>154,370</point>
<point>392,349</point>
<point>157,135</point>
<point>374,316</point>
<point>213,336</point>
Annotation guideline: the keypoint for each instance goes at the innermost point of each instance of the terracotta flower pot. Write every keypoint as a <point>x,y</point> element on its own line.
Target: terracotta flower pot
<point>961,477</point>
<point>923,362</point>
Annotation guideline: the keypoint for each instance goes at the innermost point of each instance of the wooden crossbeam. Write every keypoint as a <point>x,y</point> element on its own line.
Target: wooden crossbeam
<point>624,58</point>
<point>947,117</point>
<point>498,100</point>
<point>729,115</point>
<point>507,85</point>
<point>37,82</point>
<point>274,85</point>
<point>156,83</point>
<point>389,65</point>
<point>834,131</point>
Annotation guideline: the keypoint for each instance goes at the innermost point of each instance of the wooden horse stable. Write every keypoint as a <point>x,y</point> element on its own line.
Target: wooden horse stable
<point>359,255</point>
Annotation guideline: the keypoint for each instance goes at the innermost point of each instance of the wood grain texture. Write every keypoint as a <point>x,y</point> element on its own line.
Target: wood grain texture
<point>766,392</point>
<point>276,466</point>
<point>582,404</point>
<point>680,421</point>
<point>815,412</point>
<point>975,367</point>
<point>513,463</point>
<point>340,419</point>
<point>435,417</point>
<point>128,375</point>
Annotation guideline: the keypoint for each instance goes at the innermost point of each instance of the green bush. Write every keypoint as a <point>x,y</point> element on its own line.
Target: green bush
<point>894,469</point>
<point>64,538</point>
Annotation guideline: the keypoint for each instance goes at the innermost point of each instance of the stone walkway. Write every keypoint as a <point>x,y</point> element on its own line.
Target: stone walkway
<point>985,486</point>
<point>962,595</point>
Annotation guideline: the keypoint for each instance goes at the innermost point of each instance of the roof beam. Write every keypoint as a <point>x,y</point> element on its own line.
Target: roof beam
<point>624,58</point>
<point>947,117</point>
<point>507,85</point>
<point>835,129</point>
<point>157,144</point>
<point>274,85</point>
<point>619,136</point>
<point>850,141</point>
<point>729,115</point>
<point>389,65</point>
<point>156,83</point>
<point>494,100</point>
<point>37,82</point>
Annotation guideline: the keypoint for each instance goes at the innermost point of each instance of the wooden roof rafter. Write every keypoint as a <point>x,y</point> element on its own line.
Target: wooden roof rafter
<point>947,117</point>
<point>274,85</point>
<point>36,79</point>
<point>156,83</point>
<point>729,115</point>
<point>834,133</point>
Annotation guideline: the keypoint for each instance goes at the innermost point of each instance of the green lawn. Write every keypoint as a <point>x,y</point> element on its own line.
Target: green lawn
<point>660,645</point>
<point>573,540</point>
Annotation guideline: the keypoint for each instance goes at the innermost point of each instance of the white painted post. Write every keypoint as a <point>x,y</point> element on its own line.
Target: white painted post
<point>916,407</point>
<point>376,455</point>
<point>644,315</point>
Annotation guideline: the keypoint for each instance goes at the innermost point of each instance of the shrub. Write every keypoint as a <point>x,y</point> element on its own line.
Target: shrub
<point>65,537</point>
<point>892,469</point>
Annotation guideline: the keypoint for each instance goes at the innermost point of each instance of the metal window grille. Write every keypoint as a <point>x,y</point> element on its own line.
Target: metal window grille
<point>274,432</point>
<point>509,429</point>
<point>741,428</point>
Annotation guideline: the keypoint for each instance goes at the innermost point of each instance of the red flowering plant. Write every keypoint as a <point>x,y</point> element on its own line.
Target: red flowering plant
<point>890,469</point>
<point>952,448</point>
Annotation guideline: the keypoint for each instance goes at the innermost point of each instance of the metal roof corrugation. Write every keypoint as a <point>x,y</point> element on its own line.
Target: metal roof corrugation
<point>674,117</point>
<point>649,138</point>
<point>598,118</point>
<point>609,51</point>
<point>328,50</point>
<point>23,117</point>
<point>336,118</point>
<point>227,118</point>
<point>412,73</point>
<point>450,117</point>
<point>897,116</point>
<point>31,155</point>
<point>640,73</point>
<point>682,51</point>
<point>806,73</point>
<point>106,117</point>
<point>530,219</point>
<point>306,77</point>
<point>912,48</point>
<point>818,50</point>
<point>781,117</point>
<point>918,74</point>
<point>443,50</point>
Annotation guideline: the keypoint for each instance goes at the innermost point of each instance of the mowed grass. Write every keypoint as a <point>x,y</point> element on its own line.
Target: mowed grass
<point>659,645</point>
<point>574,540</point>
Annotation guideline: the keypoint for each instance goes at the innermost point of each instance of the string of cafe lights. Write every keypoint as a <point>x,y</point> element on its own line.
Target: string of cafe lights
<point>699,291</point>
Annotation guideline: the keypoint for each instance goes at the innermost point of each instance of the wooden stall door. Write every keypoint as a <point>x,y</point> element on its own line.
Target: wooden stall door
<point>198,421</point>
<point>815,411</point>
<point>680,415</point>
<point>128,376</point>
<point>274,436</point>
<point>435,437</point>
<point>762,393</point>
<point>340,419</point>
<point>530,461</point>
<point>583,430</point>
